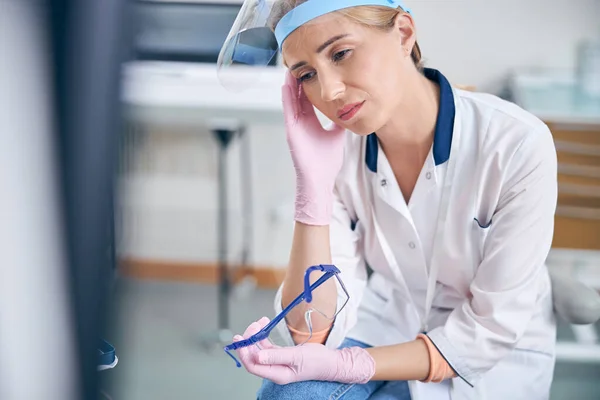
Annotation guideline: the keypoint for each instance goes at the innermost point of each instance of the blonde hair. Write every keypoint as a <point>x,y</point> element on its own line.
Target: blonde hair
<point>378,17</point>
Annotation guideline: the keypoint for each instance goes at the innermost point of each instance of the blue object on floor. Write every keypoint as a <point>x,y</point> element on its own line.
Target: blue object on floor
<point>107,356</point>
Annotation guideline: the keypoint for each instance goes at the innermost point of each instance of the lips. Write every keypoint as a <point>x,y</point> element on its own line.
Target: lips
<point>349,110</point>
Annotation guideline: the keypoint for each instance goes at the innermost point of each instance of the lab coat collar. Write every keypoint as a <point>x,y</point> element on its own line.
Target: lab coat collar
<point>442,139</point>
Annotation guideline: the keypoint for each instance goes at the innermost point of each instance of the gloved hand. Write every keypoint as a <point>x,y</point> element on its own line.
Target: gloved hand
<point>310,361</point>
<point>317,154</point>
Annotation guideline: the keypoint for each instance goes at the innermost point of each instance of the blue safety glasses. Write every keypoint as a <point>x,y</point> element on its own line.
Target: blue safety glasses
<point>301,308</point>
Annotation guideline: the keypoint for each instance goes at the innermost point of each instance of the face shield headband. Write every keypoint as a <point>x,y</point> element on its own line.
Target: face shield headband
<point>312,9</point>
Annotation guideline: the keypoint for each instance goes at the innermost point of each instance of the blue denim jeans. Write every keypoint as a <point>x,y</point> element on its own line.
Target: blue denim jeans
<point>309,390</point>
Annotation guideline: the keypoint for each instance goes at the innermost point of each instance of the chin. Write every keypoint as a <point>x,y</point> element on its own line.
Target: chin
<point>360,131</point>
<point>364,126</point>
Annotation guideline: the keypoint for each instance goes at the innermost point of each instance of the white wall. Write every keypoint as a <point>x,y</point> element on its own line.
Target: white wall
<point>480,41</point>
<point>169,204</point>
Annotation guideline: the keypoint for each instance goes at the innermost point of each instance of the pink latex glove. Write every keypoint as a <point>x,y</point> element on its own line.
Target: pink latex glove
<point>317,154</point>
<point>310,361</point>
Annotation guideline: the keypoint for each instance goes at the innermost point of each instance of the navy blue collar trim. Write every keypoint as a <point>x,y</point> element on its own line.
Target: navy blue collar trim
<point>442,140</point>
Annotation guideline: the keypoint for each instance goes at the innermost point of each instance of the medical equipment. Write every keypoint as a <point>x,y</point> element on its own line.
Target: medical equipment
<point>262,26</point>
<point>276,331</point>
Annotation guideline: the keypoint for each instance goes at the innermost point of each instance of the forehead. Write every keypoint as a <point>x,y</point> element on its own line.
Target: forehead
<point>311,35</point>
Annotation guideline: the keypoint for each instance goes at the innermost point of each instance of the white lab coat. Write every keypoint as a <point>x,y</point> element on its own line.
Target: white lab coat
<point>481,215</point>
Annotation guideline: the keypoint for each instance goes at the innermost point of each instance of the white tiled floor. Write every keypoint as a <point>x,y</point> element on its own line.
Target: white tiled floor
<point>158,328</point>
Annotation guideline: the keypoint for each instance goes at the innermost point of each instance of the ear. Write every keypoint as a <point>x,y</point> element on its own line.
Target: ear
<point>405,26</point>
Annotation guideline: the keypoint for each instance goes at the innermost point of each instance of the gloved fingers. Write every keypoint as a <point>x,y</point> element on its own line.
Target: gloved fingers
<point>247,357</point>
<point>263,322</point>
<point>246,354</point>
<point>291,81</point>
<point>252,329</point>
<point>290,106</point>
<point>280,374</point>
<point>278,356</point>
<point>309,114</point>
<point>265,343</point>
<point>295,95</point>
<point>303,101</point>
<point>289,96</point>
<point>305,107</point>
<point>255,327</point>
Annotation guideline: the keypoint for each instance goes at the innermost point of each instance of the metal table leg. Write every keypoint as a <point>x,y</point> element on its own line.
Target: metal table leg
<point>223,335</point>
<point>246,281</point>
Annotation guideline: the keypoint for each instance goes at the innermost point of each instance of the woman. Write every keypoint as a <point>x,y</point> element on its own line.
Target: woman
<point>448,196</point>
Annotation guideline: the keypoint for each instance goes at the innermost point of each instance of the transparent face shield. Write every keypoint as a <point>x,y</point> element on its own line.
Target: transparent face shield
<point>312,313</point>
<point>250,44</point>
<point>260,29</point>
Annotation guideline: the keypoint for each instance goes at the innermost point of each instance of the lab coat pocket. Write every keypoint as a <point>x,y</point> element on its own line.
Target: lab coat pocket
<point>482,224</point>
<point>480,230</point>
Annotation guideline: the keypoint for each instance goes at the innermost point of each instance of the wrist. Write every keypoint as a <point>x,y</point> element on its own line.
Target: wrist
<point>353,365</point>
<point>314,207</point>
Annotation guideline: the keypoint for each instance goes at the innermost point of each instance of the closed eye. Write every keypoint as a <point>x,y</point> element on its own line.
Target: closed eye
<point>340,55</point>
<point>306,77</point>
<point>336,57</point>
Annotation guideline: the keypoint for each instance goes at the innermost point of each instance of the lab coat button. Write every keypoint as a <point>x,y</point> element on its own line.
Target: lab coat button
<point>428,175</point>
<point>384,182</point>
<point>411,245</point>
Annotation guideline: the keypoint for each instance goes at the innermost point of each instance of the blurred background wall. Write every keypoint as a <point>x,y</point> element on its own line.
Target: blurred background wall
<point>480,42</point>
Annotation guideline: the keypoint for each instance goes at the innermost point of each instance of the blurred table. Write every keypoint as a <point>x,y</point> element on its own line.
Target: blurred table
<point>555,98</point>
<point>191,94</point>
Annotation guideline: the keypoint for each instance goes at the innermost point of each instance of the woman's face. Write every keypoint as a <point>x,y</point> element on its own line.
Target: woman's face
<point>353,74</point>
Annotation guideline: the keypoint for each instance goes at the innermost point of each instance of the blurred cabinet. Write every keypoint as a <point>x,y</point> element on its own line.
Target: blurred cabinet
<point>578,211</point>
<point>182,31</point>
<point>574,120</point>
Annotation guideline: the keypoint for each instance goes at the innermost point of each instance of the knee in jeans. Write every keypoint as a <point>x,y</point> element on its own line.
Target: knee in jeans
<point>273,391</point>
<point>298,391</point>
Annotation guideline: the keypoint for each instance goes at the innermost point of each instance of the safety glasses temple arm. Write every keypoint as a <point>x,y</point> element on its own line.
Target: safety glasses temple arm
<point>308,288</point>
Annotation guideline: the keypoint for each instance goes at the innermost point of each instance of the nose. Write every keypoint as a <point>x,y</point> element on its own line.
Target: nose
<point>332,86</point>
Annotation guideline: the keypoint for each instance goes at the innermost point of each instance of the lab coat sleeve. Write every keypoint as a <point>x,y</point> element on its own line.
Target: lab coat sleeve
<point>347,255</point>
<point>488,325</point>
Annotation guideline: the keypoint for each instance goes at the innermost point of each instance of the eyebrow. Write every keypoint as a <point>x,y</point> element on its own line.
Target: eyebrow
<point>322,47</point>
